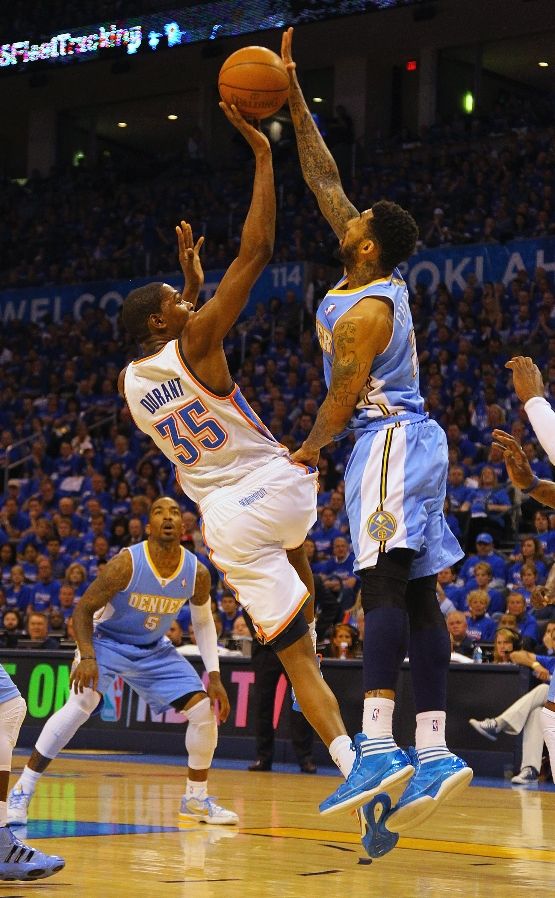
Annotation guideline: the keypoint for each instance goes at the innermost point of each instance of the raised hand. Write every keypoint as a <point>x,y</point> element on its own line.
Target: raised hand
<point>286,54</point>
<point>189,258</point>
<point>254,137</point>
<point>527,378</point>
<point>518,467</point>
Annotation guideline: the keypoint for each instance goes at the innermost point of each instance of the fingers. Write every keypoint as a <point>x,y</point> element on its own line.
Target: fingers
<point>198,245</point>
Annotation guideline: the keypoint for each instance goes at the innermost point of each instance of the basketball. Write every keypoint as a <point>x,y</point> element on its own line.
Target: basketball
<point>255,80</point>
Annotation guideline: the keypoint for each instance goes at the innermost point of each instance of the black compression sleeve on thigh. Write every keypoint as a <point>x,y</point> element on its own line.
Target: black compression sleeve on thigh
<point>384,585</point>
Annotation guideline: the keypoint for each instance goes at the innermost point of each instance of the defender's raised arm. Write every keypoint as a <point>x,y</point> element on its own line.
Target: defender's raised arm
<point>319,168</point>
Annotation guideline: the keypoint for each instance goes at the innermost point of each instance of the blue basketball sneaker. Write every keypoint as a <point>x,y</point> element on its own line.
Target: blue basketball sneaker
<point>377,768</point>
<point>433,783</point>
<point>376,839</point>
<point>19,861</point>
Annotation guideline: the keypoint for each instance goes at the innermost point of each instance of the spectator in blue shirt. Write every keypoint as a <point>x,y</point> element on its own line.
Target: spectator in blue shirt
<point>531,550</point>
<point>76,576</point>
<point>543,532</point>
<point>44,593</point>
<point>485,552</point>
<point>29,563</point>
<point>229,611</point>
<point>70,545</point>
<point>17,593</point>
<point>482,578</point>
<point>488,506</point>
<point>526,623</point>
<point>324,532</point>
<point>7,561</point>
<point>337,573</point>
<point>67,600</point>
<point>456,594</point>
<point>57,558</point>
<point>481,627</point>
<point>457,493</point>
<point>541,468</point>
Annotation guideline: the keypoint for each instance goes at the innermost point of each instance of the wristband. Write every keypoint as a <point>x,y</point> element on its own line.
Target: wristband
<point>530,489</point>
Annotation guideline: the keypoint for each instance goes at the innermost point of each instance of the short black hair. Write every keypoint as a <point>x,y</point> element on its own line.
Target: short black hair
<point>395,231</point>
<point>137,308</point>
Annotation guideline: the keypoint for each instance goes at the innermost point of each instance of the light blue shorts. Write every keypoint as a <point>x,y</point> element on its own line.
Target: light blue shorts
<point>8,689</point>
<point>159,674</point>
<point>394,493</point>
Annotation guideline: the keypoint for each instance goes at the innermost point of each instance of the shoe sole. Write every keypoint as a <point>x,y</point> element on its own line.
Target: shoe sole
<point>32,875</point>
<point>475,725</point>
<point>189,819</point>
<point>393,785</point>
<point>526,783</point>
<point>13,822</point>
<point>418,811</point>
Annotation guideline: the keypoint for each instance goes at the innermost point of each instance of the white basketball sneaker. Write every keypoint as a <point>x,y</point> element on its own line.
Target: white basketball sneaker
<point>195,810</point>
<point>18,806</point>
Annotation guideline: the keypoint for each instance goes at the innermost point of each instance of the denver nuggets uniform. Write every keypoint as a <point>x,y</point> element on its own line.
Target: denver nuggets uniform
<point>396,476</point>
<point>8,689</point>
<point>129,638</point>
<point>254,501</point>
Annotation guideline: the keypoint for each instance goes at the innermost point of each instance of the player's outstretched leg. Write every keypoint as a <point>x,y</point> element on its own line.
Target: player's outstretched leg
<point>17,860</point>
<point>55,735</point>
<point>200,741</point>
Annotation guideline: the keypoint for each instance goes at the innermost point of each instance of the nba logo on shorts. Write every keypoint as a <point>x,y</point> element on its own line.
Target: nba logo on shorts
<point>435,727</point>
<point>111,705</point>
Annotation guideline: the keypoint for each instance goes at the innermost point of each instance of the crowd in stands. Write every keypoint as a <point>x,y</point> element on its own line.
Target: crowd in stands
<point>470,181</point>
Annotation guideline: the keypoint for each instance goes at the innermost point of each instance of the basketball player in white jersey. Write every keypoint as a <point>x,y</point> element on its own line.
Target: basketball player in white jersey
<point>120,624</point>
<point>395,479</point>
<point>530,389</point>
<point>257,506</point>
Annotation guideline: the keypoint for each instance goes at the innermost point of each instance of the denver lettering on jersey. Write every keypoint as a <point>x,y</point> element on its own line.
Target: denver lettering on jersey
<point>324,337</point>
<point>159,396</point>
<point>155,604</point>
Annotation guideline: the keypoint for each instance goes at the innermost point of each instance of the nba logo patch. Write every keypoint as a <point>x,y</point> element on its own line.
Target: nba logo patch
<point>112,701</point>
<point>435,726</point>
<point>329,309</point>
<point>375,713</point>
<point>184,582</point>
<point>381,525</point>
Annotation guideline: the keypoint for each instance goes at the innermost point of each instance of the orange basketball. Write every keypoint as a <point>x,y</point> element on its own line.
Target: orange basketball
<point>255,80</point>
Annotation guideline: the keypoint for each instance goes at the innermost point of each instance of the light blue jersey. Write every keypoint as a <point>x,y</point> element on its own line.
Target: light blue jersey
<point>143,612</point>
<point>396,476</point>
<point>392,388</point>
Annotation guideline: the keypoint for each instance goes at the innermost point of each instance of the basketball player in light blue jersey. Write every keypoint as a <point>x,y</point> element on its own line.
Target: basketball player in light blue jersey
<point>17,860</point>
<point>395,479</point>
<point>119,625</point>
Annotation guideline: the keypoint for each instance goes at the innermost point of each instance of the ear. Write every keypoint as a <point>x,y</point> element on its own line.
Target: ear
<point>369,249</point>
<point>156,321</point>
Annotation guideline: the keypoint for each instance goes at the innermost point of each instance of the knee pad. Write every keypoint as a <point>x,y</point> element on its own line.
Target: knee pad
<point>201,737</point>
<point>12,715</point>
<point>422,604</point>
<point>63,725</point>
<point>385,585</point>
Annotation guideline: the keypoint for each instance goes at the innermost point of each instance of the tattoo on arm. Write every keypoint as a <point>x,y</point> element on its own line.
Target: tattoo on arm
<point>201,594</point>
<point>545,493</point>
<point>344,386</point>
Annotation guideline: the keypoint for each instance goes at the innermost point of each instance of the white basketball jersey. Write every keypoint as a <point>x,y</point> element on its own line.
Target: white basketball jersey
<point>212,440</point>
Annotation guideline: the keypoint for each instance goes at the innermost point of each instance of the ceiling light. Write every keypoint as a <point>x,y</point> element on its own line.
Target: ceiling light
<point>172,117</point>
<point>122,124</point>
<point>543,65</point>
<point>317,100</point>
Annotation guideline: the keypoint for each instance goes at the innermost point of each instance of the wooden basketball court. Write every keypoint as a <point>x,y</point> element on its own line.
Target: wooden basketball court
<point>114,819</point>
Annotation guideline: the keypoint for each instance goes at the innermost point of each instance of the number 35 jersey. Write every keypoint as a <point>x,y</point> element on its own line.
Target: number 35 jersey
<point>141,613</point>
<point>212,440</point>
<point>392,388</point>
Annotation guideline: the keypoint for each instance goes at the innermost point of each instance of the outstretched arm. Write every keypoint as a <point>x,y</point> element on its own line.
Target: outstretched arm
<point>358,337</point>
<point>520,472</point>
<point>214,320</point>
<point>189,259</point>
<point>319,168</point>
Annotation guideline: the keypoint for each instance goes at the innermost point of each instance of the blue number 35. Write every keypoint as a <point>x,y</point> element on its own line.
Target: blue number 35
<point>207,431</point>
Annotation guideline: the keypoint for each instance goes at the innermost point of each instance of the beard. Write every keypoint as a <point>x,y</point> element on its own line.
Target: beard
<point>347,255</point>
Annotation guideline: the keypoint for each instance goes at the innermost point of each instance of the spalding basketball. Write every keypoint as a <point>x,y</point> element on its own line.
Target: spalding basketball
<point>255,80</point>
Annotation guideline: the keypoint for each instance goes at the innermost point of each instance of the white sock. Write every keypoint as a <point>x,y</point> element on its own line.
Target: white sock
<point>312,632</point>
<point>548,724</point>
<point>430,736</point>
<point>377,717</point>
<point>196,790</point>
<point>342,754</point>
<point>28,780</point>
<point>3,813</point>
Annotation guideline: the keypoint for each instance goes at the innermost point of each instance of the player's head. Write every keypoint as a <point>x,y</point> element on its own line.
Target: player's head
<point>164,521</point>
<point>384,235</point>
<point>155,310</point>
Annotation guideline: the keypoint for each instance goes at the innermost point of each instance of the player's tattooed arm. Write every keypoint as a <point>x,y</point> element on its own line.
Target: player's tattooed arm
<point>201,595</point>
<point>318,165</point>
<point>112,578</point>
<point>357,339</point>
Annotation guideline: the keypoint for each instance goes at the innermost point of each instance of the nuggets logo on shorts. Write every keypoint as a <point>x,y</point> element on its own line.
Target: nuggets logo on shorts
<point>381,525</point>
